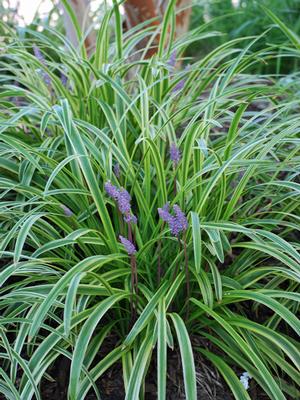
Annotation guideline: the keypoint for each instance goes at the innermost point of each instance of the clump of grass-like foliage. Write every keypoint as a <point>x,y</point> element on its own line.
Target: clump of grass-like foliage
<point>228,275</point>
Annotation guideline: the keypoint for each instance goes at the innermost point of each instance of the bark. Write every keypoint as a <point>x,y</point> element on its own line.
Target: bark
<point>136,11</point>
<point>183,17</point>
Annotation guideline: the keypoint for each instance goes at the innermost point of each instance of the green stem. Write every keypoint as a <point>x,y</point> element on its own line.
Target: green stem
<point>187,276</point>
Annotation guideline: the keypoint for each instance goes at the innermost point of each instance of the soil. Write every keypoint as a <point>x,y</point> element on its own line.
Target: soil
<point>210,385</point>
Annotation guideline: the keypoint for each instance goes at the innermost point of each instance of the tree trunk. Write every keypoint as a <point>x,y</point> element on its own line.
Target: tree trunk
<point>183,17</point>
<point>137,11</point>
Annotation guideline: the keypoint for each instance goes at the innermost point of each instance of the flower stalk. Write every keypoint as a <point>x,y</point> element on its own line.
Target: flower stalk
<point>178,225</point>
<point>131,251</point>
<point>175,157</point>
<point>187,276</point>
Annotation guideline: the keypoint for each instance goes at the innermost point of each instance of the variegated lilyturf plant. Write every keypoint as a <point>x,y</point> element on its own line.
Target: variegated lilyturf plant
<point>89,214</point>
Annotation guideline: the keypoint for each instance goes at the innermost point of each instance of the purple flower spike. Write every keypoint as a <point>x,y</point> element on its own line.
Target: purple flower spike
<point>123,198</point>
<point>174,154</point>
<point>46,78</point>
<point>177,223</point>
<point>179,86</point>
<point>64,79</point>
<point>128,245</point>
<point>66,210</point>
<point>111,190</point>
<point>172,59</point>
<point>38,54</point>
<point>124,201</point>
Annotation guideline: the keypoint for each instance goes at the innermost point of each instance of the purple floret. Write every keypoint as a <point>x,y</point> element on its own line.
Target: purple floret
<point>174,153</point>
<point>164,212</point>
<point>117,170</point>
<point>66,210</point>
<point>130,218</point>
<point>111,190</point>
<point>134,219</point>
<point>128,245</point>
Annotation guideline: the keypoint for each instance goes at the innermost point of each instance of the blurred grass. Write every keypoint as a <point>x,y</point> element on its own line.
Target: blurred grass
<point>242,18</point>
<point>231,18</point>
